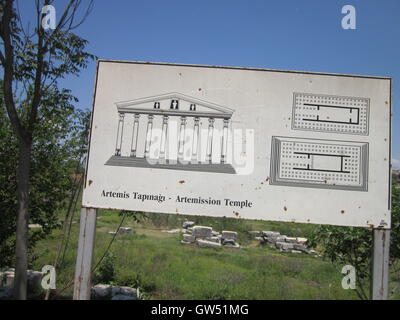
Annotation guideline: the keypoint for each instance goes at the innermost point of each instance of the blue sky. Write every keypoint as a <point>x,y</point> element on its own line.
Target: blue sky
<point>286,34</point>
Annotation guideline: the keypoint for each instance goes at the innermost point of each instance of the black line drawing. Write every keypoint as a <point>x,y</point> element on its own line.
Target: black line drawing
<point>317,163</point>
<point>327,113</point>
<point>182,107</point>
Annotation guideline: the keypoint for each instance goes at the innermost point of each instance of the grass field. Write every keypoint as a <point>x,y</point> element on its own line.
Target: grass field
<point>164,268</point>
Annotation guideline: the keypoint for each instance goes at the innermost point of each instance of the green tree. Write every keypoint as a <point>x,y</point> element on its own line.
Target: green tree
<point>32,62</point>
<point>55,152</point>
<point>353,246</point>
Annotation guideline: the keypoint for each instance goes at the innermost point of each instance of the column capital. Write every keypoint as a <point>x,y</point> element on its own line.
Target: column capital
<point>183,121</point>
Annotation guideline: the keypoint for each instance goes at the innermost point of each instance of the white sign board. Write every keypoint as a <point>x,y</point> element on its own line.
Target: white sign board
<point>247,143</point>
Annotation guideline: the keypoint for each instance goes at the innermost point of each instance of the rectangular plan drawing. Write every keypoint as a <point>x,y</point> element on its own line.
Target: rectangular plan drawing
<point>317,112</point>
<point>319,163</point>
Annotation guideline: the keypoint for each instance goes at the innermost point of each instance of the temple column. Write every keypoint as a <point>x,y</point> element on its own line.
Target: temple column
<point>210,139</point>
<point>181,138</point>
<point>224,143</point>
<point>148,135</point>
<point>120,131</point>
<point>135,133</point>
<point>164,135</point>
<point>195,142</point>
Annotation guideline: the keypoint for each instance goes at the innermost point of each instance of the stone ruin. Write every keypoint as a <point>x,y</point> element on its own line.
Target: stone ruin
<point>7,282</point>
<point>100,291</point>
<point>121,231</point>
<point>206,237</point>
<point>109,292</point>
<point>282,243</point>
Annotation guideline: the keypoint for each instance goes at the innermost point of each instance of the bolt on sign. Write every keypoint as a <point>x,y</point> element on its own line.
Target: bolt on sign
<point>240,142</point>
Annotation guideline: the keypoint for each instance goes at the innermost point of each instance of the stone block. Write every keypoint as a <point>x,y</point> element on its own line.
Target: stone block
<point>126,291</point>
<point>34,279</point>
<point>301,240</point>
<point>213,239</point>
<point>269,240</point>
<point>105,291</point>
<point>101,291</point>
<point>189,238</point>
<point>202,232</point>
<point>205,243</point>
<point>229,235</point>
<point>285,246</point>
<point>124,230</point>
<point>187,224</point>
<point>291,239</point>
<point>270,234</point>
<point>280,238</point>
<point>228,241</point>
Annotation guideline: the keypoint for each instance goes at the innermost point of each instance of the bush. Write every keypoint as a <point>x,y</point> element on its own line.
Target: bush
<point>106,271</point>
<point>353,246</point>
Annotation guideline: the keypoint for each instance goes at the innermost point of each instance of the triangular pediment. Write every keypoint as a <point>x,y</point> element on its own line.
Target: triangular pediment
<point>174,104</point>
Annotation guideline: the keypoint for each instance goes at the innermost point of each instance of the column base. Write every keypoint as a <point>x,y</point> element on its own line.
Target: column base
<point>170,165</point>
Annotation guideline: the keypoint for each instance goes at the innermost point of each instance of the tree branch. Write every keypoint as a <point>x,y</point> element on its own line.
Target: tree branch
<point>69,17</point>
<point>2,59</point>
<point>8,71</point>
<point>60,24</point>
<point>37,89</point>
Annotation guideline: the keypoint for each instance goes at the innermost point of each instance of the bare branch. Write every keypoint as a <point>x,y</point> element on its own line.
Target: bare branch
<point>68,16</point>
<point>61,22</point>
<point>86,14</point>
<point>20,20</point>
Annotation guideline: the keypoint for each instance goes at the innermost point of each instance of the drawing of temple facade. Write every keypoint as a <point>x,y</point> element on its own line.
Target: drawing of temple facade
<point>195,122</point>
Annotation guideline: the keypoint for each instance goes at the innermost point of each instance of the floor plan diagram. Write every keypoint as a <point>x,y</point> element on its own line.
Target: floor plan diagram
<point>319,163</point>
<point>327,113</point>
